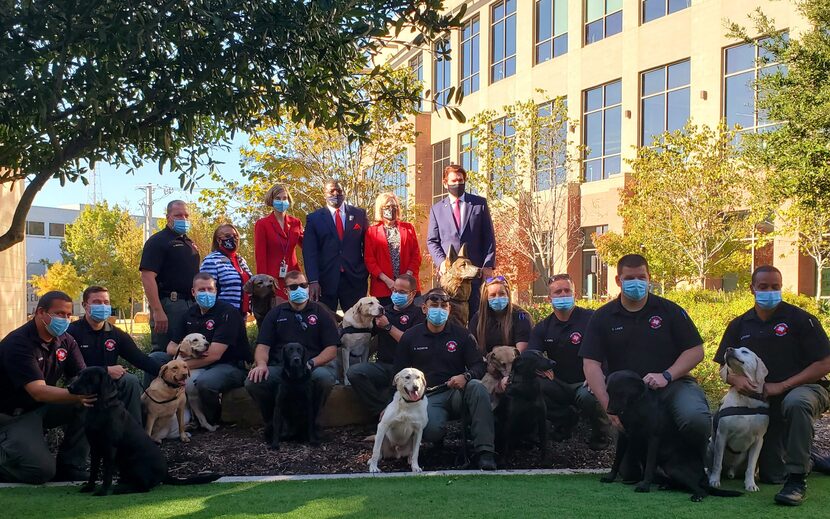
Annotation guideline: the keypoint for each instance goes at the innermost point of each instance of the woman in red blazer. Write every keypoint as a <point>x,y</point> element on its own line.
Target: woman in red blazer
<point>276,237</point>
<point>390,248</point>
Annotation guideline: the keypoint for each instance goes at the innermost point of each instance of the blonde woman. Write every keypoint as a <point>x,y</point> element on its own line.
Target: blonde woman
<point>276,238</point>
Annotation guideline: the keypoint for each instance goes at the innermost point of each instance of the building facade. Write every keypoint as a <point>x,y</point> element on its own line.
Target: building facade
<point>628,69</point>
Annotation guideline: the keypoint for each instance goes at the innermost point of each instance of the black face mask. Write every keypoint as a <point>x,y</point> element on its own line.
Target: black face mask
<point>456,190</point>
<point>390,213</point>
<point>228,244</point>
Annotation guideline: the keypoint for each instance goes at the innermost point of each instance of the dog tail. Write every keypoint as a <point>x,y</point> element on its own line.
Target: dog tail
<point>719,492</point>
<point>201,479</point>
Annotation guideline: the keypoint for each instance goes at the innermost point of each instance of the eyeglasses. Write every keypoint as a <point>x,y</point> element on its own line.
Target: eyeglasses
<point>438,298</point>
<point>496,279</point>
<point>295,286</point>
<point>299,319</point>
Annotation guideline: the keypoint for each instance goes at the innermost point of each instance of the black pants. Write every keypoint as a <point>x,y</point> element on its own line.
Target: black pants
<point>349,291</point>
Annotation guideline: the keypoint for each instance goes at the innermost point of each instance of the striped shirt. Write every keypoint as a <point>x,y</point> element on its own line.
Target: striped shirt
<point>228,280</point>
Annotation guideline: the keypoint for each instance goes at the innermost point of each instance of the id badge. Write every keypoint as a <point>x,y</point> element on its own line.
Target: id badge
<point>283,269</point>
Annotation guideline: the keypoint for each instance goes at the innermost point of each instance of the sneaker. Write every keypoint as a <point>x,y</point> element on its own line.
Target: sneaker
<point>486,461</point>
<point>794,491</point>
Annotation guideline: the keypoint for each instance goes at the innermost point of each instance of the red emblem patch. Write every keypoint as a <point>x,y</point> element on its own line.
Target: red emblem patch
<point>109,345</point>
<point>781,329</point>
<point>655,322</point>
<point>312,319</point>
<point>404,319</point>
<point>452,346</point>
<point>576,338</point>
<point>209,324</point>
<point>61,354</point>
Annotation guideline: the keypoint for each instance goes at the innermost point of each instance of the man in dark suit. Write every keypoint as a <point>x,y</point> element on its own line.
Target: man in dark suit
<point>333,251</point>
<point>462,218</point>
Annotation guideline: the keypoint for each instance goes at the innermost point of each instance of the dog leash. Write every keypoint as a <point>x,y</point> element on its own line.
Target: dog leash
<point>435,389</point>
<point>165,401</point>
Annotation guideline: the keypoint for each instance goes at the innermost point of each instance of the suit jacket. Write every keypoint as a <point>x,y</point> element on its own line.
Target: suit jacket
<point>476,231</point>
<point>379,260</point>
<point>270,246</point>
<point>324,254</point>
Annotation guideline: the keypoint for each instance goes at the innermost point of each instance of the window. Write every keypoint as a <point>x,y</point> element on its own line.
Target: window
<point>550,148</point>
<point>442,77</point>
<point>504,135</point>
<point>503,40</point>
<point>654,9</point>
<point>398,180</point>
<point>743,65</point>
<point>57,229</point>
<point>35,228</point>
<point>440,160</point>
<point>469,56</point>
<point>417,66</point>
<point>467,156</point>
<point>602,126</point>
<point>594,271</point>
<point>664,100</point>
<point>551,29</point>
<point>603,18</point>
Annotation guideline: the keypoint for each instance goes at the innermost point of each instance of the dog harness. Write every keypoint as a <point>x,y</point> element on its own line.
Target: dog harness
<point>176,387</point>
<point>352,329</point>
<point>738,411</point>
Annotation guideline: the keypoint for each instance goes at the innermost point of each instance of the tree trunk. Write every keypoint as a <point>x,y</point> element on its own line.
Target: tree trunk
<point>818,279</point>
<point>17,229</point>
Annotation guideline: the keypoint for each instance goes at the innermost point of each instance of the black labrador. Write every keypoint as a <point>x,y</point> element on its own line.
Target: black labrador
<point>117,440</point>
<point>653,441</point>
<point>294,406</point>
<point>523,408</point>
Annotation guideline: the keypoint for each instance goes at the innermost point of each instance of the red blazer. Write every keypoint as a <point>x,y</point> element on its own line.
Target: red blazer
<point>270,246</point>
<point>377,257</point>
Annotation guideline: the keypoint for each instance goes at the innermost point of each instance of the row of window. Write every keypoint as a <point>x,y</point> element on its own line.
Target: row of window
<point>665,99</point>
<point>603,18</point>
<point>56,230</point>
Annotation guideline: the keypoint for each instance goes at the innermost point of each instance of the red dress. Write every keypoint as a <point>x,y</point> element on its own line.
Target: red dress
<point>379,260</point>
<point>273,244</point>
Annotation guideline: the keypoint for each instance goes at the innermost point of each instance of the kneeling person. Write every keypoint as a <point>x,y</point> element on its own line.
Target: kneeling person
<point>372,381</point>
<point>448,354</point>
<point>102,343</point>
<point>302,321</point>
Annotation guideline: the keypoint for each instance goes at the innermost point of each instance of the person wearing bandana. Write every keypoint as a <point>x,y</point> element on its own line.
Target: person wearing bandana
<point>228,268</point>
<point>33,359</point>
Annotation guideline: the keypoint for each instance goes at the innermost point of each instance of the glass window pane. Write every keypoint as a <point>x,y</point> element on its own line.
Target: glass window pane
<point>740,100</point>
<point>654,81</point>
<point>679,74</point>
<point>498,12</point>
<point>740,58</point>
<point>613,6</point>
<point>594,10</point>
<point>498,42</point>
<point>560,45</point>
<point>497,72</point>
<point>613,93</point>
<point>510,36</point>
<point>678,5</point>
<point>511,6</point>
<point>593,31</point>
<point>612,165</point>
<point>544,20</point>
<point>653,9</point>
<point>593,99</point>
<point>678,109</point>
<point>613,24</point>
<point>612,136</point>
<point>474,84</point>
<point>510,66</point>
<point>593,170</point>
<point>544,52</point>
<point>593,134</point>
<point>653,111</point>
<point>560,17</point>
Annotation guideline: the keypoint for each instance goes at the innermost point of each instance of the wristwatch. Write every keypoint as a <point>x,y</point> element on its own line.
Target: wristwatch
<point>667,376</point>
<point>387,327</point>
<point>468,376</point>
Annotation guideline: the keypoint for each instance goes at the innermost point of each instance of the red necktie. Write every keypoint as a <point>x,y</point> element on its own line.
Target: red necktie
<point>338,222</point>
<point>456,212</point>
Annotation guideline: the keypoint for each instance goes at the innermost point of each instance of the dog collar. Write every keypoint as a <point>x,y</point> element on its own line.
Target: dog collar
<point>757,396</point>
<point>352,329</point>
<point>178,394</point>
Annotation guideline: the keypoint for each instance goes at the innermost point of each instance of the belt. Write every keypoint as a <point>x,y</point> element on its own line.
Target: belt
<point>175,296</point>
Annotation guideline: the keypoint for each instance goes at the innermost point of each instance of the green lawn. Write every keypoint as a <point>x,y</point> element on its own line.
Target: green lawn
<point>443,497</point>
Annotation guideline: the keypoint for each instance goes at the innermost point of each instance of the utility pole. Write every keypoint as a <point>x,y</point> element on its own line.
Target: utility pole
<point>147,206</point>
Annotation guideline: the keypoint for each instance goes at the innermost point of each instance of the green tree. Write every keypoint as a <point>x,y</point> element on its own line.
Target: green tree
<point>59,276</point>
<point>685,206</point>
<point>165,81</point>
<point>104,245</point>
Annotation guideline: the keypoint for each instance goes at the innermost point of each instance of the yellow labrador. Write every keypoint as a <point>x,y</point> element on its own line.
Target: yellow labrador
<point>194,346</point>
<point>402,426</point>
<point>165,398</point>
<point>741,421</point>
<point>356,332</point>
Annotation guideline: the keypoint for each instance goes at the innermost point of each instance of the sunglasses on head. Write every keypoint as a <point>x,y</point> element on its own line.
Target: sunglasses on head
<point>438,298</point>
<point>295,286</point>
<point>559,277</point>
<point>495,279</point>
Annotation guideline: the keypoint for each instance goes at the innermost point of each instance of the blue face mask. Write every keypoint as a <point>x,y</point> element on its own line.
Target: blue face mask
<point>768,299</point>
<point>281,205</point>
<point>563,303</point>
<point>181,226</point>
<point>299,296</point>
<point>399,300</point>
<point>437,316</point>
<point>206,299</point>
<point>635,289</point>
<point>497,303</point>
<point>100,312</point>
<point>57,325</point>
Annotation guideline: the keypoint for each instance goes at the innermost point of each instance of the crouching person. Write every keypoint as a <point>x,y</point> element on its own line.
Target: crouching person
<point>33,358</point>
<point>448,354</point>
<point>301,321</point>
<point>795,349</point>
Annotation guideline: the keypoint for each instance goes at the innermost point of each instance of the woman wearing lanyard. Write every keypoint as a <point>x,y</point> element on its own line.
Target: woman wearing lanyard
<point>276,238</point>
<point>228,268</point>
<point>390,249</point>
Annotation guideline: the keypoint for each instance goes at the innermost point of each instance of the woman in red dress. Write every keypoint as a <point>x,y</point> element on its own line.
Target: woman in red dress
<point>390,248</point>
<point>276,238</point>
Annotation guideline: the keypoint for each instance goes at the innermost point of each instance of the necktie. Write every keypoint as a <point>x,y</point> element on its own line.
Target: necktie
<point>456,212</point>
<point>338,222</point>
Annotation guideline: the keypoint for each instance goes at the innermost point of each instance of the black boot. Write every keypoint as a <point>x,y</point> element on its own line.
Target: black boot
<point>794,491</point>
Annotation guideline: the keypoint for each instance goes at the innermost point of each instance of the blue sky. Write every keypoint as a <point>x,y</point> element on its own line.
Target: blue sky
<point>117,187</point>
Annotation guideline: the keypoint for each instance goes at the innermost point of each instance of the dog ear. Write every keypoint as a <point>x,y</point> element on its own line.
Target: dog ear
<point>489,357</point>
<point>761,372</point>
<point>107,388</point>
<point>516,353</point>
<point>395,380</point>
<point>163,370</point>
<point>462,252</point>
<point>248,287</point>
<point>452,255</point>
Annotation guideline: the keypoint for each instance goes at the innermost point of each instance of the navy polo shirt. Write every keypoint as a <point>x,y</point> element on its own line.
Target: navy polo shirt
<point>561,341</point>
<point>103,347</point>
<point>442,355</point>
<point>494,335</point>
<point>221,324</point>
<point>313,327</point>
<point>175,260</point>
<point>403,320</point>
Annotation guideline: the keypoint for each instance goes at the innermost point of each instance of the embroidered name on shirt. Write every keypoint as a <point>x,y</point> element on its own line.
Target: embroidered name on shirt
<point>747,336</point>
<point>617,329</point>
<point>420,348</point>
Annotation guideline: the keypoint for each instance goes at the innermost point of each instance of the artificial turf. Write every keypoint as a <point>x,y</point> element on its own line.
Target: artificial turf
<point>578,496</point>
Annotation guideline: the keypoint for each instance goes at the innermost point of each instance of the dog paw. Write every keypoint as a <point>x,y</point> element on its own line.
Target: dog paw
<point>750,486</point>
<point>696,498</point>
<point>87,487</point>
<point>714,482</point>
<point>208,427</point>
<point>642,486</point>
<point>185,438</point>
<point>416,468</point>
<point>608,478</point>
<point>373,468</point>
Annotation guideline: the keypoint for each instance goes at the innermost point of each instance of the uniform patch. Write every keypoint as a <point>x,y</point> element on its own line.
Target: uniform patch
<point>312,319</point>
<point>576,338</point>
<point>109,344</point>
<point>655,321</point>
<point>61,354</point>
<point>404,319</point>
<point>209,324</point>
<point>781,329</point>
<point>452,346</point>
